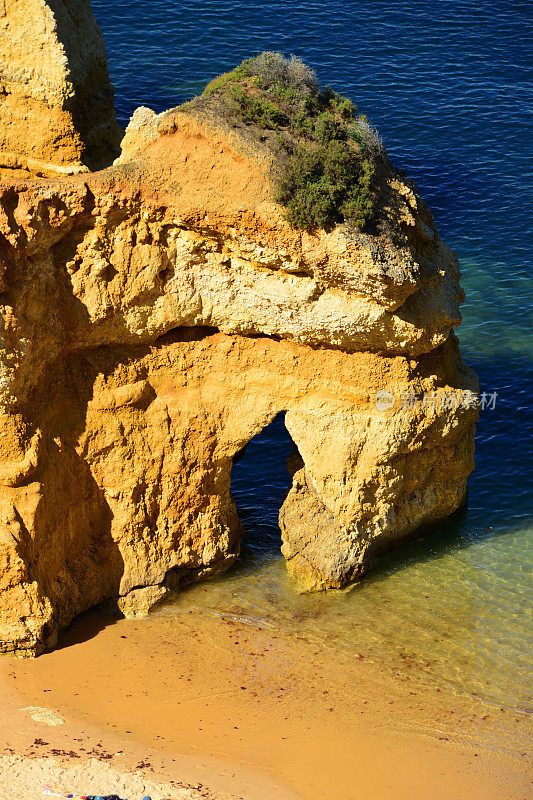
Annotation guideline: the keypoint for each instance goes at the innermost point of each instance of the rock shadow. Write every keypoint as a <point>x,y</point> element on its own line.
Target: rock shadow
<point>75,561</point>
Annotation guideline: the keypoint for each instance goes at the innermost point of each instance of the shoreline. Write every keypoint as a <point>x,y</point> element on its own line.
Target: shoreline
<point>255,713</point>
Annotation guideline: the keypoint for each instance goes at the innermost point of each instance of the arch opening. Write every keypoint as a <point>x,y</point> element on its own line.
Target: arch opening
<point>260,481</point>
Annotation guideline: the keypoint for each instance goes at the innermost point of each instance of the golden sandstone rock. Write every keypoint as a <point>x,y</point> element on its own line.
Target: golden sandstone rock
<point>56,101</point>
<point>155,317</point>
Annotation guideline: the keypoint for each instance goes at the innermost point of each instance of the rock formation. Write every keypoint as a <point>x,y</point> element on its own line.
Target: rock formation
<point>56,101</point>
<point>155,317</point>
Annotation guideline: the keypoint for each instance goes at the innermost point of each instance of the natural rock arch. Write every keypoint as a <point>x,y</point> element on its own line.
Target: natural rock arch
<point>156,438</point>
<point>154,317</point>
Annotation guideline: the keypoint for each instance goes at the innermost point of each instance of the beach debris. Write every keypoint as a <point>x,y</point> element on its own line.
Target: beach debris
<point>40,714</point>
<point>101,797</point>
<point>50,793</point>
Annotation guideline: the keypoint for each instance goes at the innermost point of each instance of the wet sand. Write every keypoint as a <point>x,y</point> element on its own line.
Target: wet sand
<point>252,712</point>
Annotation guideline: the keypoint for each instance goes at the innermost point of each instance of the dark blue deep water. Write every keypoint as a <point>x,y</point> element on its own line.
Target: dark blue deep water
<point>449,85</point>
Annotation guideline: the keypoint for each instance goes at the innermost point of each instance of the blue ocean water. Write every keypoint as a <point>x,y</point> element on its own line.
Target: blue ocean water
<point>449,85</point>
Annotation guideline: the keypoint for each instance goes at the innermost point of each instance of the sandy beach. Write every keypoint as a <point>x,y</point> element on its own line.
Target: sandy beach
<point>247,711</point>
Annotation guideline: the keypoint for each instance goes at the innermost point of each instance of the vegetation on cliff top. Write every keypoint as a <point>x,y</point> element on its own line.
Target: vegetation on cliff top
<point>325,153</point>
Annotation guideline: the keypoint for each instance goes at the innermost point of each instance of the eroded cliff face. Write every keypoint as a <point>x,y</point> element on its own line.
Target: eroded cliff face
<point>155,317</point>
<point>56,100</point>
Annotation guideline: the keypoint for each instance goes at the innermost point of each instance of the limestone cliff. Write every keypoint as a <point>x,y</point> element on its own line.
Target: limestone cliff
<point>56,100</point>
<point>155,317</point>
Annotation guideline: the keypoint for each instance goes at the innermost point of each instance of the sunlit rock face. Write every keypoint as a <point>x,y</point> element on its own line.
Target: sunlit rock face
<point>156,316</point>
<point>56,101</point>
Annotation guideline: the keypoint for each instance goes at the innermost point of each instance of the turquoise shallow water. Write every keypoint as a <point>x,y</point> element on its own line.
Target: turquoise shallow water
<point>450,87</point>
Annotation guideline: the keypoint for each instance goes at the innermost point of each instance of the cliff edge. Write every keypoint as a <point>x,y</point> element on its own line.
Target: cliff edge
<point>156,315</point>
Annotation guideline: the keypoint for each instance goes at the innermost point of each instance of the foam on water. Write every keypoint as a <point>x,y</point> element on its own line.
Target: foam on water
<point>449,86</point>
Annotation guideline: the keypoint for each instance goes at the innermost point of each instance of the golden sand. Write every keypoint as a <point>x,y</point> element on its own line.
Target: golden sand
<point>252,712</point>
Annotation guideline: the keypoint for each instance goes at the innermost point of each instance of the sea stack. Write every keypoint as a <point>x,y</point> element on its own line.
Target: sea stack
<point>158,314</point>
<point>56,101</point>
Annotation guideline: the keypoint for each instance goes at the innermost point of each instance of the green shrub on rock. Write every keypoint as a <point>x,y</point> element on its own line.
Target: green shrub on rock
<point>326,157</point>
<point>326,184</point>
